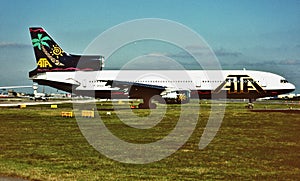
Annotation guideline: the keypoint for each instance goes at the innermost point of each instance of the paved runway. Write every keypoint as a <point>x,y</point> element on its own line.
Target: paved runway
<point>18,103</point>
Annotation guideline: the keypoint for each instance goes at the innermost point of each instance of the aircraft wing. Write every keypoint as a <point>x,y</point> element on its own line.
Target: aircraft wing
<point>124,84</point>
<point>137,90</point>
<point>16,87</point>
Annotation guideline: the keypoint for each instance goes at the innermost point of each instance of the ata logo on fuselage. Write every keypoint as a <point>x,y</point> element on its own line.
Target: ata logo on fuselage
<point>43,63</point>
<point>238,84</point>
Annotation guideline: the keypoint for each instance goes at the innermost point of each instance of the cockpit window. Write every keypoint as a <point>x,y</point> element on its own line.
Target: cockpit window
<point>283,81</point>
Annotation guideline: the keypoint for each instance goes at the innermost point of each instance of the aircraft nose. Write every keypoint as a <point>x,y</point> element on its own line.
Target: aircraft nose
<point>292,86</point>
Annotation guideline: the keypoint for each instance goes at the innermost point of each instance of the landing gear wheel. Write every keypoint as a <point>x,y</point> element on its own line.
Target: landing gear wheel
<point>152,106</point>
<point>250,106</point>
<point>141,106</point>
<point>147,106</point>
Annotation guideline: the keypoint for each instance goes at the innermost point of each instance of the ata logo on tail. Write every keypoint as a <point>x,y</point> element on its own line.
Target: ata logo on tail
<point>43,63</point>
<point>238,84</point>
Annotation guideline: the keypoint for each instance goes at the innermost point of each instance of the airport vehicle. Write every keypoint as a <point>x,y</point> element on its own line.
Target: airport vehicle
<point>38,95</point>
<point>84,75</point>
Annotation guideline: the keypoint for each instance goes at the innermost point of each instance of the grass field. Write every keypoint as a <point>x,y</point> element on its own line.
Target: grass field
<point>36,143</point>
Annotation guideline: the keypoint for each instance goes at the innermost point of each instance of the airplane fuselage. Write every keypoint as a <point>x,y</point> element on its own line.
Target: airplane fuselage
<point>238,84</point>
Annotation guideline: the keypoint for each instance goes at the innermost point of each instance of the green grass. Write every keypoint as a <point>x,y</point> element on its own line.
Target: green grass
<point>38,144</point>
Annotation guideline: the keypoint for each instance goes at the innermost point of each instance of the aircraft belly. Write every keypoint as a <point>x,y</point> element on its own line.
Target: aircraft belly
<point>252,94</point>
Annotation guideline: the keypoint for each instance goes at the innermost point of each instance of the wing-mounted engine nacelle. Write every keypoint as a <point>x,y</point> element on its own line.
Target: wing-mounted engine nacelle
<point>176,97</point>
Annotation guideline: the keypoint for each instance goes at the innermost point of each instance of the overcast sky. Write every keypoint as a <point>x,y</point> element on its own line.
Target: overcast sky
<point>257,34</point>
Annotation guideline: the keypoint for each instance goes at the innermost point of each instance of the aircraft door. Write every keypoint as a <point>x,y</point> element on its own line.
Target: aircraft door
<point>263,83</point>
<point>198,82</point>
<point>84,83</point>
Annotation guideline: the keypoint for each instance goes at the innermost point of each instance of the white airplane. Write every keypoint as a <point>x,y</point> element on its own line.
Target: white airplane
<point>84,75</point>
<point>36,95</point>
<point>15,87</point>
<point>12,94</point>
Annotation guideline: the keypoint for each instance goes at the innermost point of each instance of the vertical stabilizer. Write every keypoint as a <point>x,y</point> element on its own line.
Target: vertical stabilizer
<point>51,57</point>
<point>48,53</point>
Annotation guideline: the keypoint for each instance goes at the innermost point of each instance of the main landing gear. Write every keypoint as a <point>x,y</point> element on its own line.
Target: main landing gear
<point>250,105</point>
<point>147,104</point>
